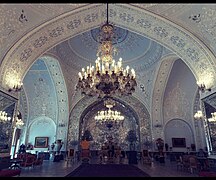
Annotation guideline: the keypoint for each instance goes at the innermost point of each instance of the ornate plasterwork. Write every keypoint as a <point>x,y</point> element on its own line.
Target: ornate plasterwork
<point>61,94</point>
<point>193,52</point>
<point>17,19</point>
<point>158,92</point>
<point>177,100</point>
<point>42,101</point>
<point>184,44</point>
<point>139,109</point>
<point>169,10</point>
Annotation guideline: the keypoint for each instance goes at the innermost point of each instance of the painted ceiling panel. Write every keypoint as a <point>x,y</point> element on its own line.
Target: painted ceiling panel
<point>39,65</point>
<point>129,45</point>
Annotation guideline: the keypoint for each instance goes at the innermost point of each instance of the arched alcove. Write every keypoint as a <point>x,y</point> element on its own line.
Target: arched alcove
<point>44,93</point>
<point>131,122</point>
<point>136,107</point>
<point>41,127</point>
<point>178,129</point>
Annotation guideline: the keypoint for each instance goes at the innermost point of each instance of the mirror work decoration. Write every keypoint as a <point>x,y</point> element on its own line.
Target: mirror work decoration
<point>210,107</point>
<point>7,107</point>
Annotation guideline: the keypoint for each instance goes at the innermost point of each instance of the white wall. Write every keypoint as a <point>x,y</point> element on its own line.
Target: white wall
<point>41,127</point>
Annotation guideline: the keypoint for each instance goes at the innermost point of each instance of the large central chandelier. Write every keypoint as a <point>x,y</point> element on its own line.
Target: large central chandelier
<point>107,77</point>
<point>109,119</point>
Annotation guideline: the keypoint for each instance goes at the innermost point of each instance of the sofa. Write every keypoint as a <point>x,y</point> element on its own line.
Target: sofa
<point>10,172</point>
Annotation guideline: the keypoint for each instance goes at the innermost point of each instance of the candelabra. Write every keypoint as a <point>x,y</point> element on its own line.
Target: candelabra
<point>203,88</point>
<point>16,87</point>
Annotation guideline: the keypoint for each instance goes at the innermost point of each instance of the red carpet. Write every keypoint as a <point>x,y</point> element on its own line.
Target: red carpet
<point>107,170</point>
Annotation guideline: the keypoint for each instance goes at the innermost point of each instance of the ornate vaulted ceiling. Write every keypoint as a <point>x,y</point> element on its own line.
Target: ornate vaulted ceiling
<point>147,34</point>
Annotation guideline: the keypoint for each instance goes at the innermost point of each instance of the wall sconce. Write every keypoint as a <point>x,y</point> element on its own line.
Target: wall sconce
<point>17,87</point>
<point>61,125</point>
<point>198,115</point>
<point>19,122</point>
<point>142,87</point>
<point>158,125</point>
<point>203,88</point>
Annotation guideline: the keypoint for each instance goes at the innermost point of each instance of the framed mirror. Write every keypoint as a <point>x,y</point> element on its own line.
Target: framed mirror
<point>7,110</point>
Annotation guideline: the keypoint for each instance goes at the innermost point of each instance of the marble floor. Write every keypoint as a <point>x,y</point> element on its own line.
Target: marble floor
<point>62,168</point>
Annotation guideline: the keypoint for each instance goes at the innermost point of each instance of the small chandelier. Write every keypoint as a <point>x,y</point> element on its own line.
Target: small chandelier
<point>109,119</point>
<point>4,117</point>
<point>107,77</point>
<point>213,118</point>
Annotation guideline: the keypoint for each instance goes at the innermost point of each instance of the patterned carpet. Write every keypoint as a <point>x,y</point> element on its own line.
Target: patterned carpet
<point>107,170</point>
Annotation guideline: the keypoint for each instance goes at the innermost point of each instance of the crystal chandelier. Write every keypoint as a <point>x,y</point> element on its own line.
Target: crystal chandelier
<point>109,119</point>
<point>107,77</point>
<point>4,117</point>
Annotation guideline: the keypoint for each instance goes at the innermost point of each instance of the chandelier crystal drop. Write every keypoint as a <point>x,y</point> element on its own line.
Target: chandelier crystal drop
<point>109,119</point>
<point>108,76</point>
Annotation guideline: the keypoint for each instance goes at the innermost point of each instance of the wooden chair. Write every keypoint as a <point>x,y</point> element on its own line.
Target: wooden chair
<point>193,164</point>
<point>179,164</point>
<point>70,156</point>
<point>146,158</point>
<point>29,161</point>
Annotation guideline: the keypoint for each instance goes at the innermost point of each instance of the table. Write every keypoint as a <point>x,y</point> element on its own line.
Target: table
<point>15,163</point>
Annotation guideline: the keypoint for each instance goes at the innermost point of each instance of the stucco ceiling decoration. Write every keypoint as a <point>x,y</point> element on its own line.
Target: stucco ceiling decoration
<point>133,48</point>
<point>158,91</point>
<point>20,57</point>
